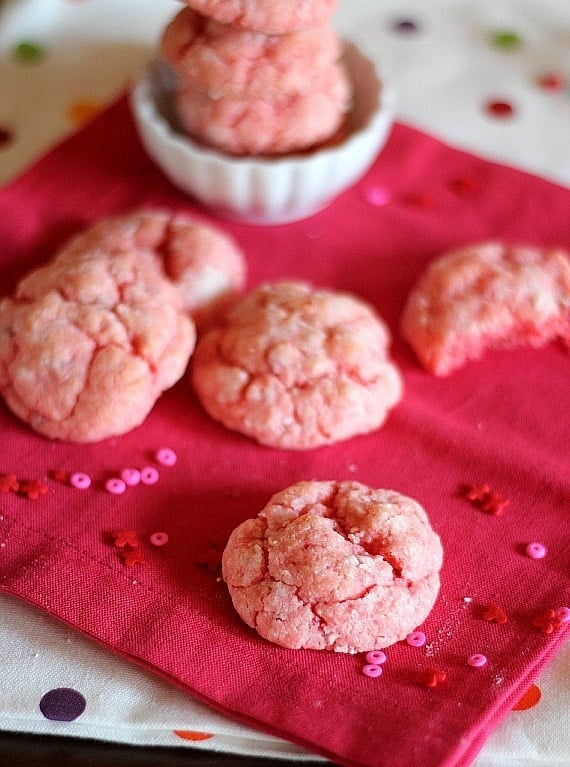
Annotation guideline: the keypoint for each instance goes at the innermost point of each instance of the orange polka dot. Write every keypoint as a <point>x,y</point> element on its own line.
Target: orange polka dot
<point>81,112</point>
<point>529,699</point>
<point>193,735</point>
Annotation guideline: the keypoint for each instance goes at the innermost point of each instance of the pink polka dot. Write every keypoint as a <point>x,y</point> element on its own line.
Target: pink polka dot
<point>551,81</point>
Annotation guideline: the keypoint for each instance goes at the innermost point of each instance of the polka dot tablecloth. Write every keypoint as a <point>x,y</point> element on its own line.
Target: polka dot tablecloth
<point>489,77</point>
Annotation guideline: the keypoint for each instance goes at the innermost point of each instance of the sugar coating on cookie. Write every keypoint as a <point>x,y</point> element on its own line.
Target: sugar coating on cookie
<point>269,16</point>
<point>487,295</point>
<point>334,566</point>
<point>255,125</point>
<point>295,367</point>
<point>204,263</point>
<point>222,60</point>
<point>87,345</point>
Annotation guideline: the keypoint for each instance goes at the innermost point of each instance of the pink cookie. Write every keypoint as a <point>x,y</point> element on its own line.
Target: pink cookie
<point>269,16</point>
<point>252,126</point>
<point>204,264</point>
<point>334,566</point>
<point>222,60</point>
<point>296,368</point>
<point>484,296</point>
<point>87,345</point>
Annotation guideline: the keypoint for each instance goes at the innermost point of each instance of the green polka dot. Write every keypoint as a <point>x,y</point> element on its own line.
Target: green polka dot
<point>28,51</point>
<point>506,39</point>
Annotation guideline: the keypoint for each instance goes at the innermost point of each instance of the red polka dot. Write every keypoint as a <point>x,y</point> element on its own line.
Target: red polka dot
<point>465,186</point>
<point>417,200</point>
<point>500,109</point>
<point>529,699</point>
<point>551,81</point>
<point>193,735</point>
<point>82,112</point>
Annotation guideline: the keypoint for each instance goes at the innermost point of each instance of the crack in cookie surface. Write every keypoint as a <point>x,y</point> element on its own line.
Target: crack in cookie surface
<point>295,367</point>
<point>315,580</point>
<point>90,341</point>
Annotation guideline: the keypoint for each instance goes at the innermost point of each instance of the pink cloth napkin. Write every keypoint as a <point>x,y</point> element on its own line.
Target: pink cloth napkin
<point>502,421</point>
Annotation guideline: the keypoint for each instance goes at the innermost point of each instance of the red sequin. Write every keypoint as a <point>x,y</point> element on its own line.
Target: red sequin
<point>548,621</point>
<point>494,613</point>
<point>9,482</point>
<point>493,504</point>
<point>33,488</point>
<point>125,538</point>
<point>60,475</point>
<point>132,557</point>
<point>475,492</point>
<point>431,677</point>
<point>485,498</point>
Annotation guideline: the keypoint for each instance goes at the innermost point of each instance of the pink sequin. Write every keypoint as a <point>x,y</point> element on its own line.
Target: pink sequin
<point>80,480</point>
<point>159,539</point>
<point>416,639</point>
<point>115,486</point>
<point>477,660</point>
<point>376,657</point>
<point>149,475</point>
<point>131,477</point>
<point>536,550</point>
<point>563,613</point>
<point>166,456</point>
<point>372,670</point>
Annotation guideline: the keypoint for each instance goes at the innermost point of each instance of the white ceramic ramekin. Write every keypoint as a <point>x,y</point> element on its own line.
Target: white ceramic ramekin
<point>256,189</point>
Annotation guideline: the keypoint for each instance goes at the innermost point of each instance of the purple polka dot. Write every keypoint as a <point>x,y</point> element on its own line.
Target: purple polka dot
<point>6,136</point>
<point>62,704</point>
<point>406,26</point>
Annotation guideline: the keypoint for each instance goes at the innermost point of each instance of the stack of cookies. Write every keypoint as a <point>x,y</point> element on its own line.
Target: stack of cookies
<point>257,77</point>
